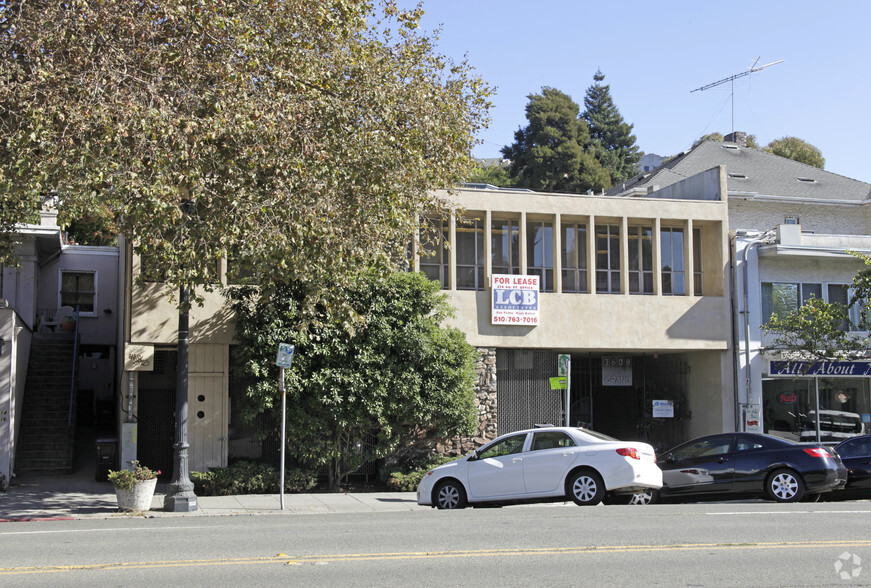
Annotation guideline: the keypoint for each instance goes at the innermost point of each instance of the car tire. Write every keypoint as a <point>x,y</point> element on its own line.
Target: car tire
<point>585,488</point>
<point>784,485</point>
<point>644,497</point>
<point>449,495</point>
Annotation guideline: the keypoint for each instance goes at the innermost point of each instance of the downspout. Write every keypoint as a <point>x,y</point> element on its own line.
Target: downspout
<point>753,242</point>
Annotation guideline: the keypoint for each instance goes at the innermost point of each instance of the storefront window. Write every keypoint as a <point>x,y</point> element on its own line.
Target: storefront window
<point>470,255</point>
<point>435,258</point>
<point>792,412</point>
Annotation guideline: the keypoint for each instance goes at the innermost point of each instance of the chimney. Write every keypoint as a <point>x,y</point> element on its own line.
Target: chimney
<point>737,137</point>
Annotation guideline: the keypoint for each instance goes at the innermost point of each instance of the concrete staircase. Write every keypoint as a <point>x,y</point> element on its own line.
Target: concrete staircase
<point>47,434</point>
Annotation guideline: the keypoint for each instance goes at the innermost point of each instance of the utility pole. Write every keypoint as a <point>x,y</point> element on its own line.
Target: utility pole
<point>732,79</point>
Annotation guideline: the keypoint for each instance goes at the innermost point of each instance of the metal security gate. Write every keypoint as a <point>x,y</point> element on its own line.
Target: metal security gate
<point>523,388</point>
<point>156,412</point>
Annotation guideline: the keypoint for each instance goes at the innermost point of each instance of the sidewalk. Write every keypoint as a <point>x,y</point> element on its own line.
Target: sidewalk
<point>75,496</point>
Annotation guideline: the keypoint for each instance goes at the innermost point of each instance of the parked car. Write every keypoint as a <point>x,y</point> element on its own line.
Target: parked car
<point>743,465</point>
<point>856,455</point>
<point>539,465</point>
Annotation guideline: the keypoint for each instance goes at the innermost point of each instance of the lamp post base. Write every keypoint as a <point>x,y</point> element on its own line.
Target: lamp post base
<point>183,502</point>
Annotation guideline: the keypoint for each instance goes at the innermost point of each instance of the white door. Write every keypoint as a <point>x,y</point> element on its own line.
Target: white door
<point>207,422</point>
<point>498,471</point>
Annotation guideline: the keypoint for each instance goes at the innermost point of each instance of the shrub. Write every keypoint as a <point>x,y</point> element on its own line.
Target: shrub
<point>244,477</point>
<point>408,481</point>
<point>127,479</point>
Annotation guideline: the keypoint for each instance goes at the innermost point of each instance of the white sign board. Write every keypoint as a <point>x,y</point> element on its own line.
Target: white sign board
<point>285,355</point>
<point>138,358</point>
<point>663,409</point>
<point>515,300</point>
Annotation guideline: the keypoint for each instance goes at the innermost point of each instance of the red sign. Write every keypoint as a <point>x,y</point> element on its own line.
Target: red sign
<point>787,397</point>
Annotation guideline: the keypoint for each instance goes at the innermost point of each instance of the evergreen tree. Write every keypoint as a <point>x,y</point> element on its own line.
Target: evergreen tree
<point>611,137</point>
<point>550,153</point>
<point>798,150</point>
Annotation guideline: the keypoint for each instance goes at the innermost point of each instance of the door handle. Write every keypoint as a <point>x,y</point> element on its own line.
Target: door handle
<point>723,460</point>
<point>516,459</point>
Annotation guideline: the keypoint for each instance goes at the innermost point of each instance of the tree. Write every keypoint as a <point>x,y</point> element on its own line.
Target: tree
<point>798,150</point>
<point>304,137</point>
<point>355,395</point>
<point>495,175</point>
<point>817,330</point>
<point>612,139</point>
<point>549,153</point>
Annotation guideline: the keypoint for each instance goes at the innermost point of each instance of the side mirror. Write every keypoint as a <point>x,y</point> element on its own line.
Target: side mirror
<point>669,458</point>
<point>474,456</point>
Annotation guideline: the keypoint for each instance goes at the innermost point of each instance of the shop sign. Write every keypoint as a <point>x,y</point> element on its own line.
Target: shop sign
<point>843,369</point>
<point>515,300</point>
<point>787,398</point>
<point>752,420</point>
<point>616,370</point>
<point>663,409</point>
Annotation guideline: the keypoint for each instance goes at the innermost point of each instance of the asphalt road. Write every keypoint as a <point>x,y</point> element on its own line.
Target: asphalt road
<point>717,544</point>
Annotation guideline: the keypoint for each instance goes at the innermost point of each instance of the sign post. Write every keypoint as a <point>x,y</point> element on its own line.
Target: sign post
<point>284,360</point>
<point>565,369</point>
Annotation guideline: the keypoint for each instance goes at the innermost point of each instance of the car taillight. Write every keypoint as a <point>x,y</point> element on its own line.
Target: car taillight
<point>629,452</point>
<point>816,452</point>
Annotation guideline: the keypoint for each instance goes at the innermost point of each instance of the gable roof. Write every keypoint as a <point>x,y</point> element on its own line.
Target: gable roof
<point>750,172</point>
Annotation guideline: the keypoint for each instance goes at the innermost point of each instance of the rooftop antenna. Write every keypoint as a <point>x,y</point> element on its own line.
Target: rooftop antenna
<point>732,79</point>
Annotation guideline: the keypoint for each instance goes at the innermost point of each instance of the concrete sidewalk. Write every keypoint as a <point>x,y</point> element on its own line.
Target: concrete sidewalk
<point>74,497</point>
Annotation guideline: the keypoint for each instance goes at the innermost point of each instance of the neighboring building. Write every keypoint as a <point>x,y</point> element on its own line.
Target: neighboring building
<point>52,383</point>
<point>650,162</point>
<point>792,226</point>
<point>635,292</point>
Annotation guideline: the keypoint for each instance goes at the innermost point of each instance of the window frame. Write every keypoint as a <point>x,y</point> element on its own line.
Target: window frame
<point>608,260</point>
<point>540,249</point>
<point>439,252</point>
<point>670,253</point>
<point>577,269</point>
<point>77,292</point>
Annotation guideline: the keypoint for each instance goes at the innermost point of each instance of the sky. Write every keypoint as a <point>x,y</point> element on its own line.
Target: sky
<point>653,54</point>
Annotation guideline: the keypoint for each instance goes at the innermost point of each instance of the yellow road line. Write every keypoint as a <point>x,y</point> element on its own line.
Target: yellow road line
<point>346,557</point>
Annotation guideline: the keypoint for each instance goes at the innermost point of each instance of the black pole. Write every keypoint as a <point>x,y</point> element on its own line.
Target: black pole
<point>180,496</point>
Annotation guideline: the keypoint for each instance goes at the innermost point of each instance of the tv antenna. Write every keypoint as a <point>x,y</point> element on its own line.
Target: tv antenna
<point>753,69</point>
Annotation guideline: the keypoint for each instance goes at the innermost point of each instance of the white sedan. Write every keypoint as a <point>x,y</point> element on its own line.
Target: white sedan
<point>542,464</point>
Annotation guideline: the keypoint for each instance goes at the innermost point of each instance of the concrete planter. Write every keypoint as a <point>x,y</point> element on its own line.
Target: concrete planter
<point>137,499</point>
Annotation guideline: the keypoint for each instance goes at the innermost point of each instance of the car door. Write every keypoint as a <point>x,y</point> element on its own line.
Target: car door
<point>856,455</point>
<point>550,456</point>
<point>702,466</point>
<point>497,472</point>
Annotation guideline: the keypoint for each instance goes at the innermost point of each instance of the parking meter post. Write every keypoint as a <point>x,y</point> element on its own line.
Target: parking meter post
<point>283,433</point>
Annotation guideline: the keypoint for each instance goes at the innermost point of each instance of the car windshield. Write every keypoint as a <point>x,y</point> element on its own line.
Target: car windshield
<point>596,434</point>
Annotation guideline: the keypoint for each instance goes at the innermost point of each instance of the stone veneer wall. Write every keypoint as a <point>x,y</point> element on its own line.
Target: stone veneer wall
<point>486,401</point>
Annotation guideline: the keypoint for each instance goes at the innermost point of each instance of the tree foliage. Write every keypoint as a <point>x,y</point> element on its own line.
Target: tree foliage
<point>611,137</point>
<point>355,395</point>
<point>817,330</point>
<point>550,154</point>
<point>798,150</point>
<point>305,137</point>
<point>495,175</point>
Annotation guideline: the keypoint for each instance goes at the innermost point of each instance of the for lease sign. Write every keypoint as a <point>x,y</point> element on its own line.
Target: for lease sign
<point>515,300</point>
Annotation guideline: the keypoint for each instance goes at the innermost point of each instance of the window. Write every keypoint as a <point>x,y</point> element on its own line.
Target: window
<point>698,277</point>
<point>470,255</point>
<point>608,259</point>
<point>712,447</point>
<point>640,260</point>
<point>539,253</point>
<point>435,258</point>
<point>672,254</point>
<point>505,447</point>
<point>781,298</point>
<point>505,244</point>
<point>551,440</point>
<point>574,257</point>
<point>79,290</point>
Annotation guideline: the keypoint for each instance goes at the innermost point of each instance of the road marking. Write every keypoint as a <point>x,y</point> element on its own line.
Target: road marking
<point>789,512</point>
<point>161,529</point>
<point>481,553</point>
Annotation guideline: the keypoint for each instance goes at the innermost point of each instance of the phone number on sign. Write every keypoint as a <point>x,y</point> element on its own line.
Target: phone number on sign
<point>516,320</point>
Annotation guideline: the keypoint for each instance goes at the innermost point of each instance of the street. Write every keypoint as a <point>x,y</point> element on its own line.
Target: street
<point>715,544</point>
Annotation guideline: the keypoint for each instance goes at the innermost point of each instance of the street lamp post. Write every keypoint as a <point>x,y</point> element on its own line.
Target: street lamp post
<point>180,496</point>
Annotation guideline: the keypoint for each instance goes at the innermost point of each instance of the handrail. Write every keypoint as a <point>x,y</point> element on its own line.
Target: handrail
<point>73,376</point>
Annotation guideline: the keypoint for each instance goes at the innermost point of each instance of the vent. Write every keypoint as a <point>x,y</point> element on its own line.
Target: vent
<point>807,180</point>
<point>738,176</point>
<point>731,147</point>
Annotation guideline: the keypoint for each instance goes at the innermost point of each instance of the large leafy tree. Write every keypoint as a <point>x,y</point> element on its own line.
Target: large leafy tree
<point>611,137</point>
<point>356,395</point>
<point>550,153</point>
<point>816,330</point>
<point>302,136</point>
<point>797,149</point>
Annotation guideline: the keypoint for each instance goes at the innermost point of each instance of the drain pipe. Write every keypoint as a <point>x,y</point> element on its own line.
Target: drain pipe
<point>753,243</point>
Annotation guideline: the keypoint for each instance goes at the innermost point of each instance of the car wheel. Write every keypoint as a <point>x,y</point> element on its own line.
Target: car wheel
<point>450,494</point>
<point>585,488</point>
<point>784,485</point>
<point>644,497</point>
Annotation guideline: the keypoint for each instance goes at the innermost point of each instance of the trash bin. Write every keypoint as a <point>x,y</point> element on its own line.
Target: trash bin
<point>107,450</point>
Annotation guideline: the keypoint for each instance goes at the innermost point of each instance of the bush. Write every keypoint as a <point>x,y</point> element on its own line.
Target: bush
<point>244,477</point>
<point>408,481</point>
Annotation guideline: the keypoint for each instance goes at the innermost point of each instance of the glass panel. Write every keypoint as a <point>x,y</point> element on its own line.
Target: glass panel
<point>811,289</point>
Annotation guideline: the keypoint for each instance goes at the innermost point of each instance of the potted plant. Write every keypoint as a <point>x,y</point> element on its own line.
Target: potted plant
<point>134,487</point>
<point>68,323</point>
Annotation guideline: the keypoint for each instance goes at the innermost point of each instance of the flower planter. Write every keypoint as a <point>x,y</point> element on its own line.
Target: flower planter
<point>137,499</point>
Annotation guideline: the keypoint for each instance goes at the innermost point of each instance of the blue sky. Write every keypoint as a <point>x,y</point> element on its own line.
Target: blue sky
<point>654,53</point>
